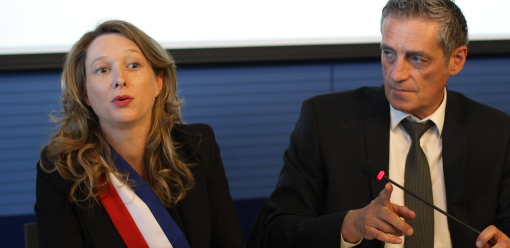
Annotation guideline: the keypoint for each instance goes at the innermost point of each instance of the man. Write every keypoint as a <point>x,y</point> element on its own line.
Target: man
<point>323,199</point>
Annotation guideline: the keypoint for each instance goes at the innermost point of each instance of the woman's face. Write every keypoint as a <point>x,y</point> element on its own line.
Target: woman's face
<point>121,85</point>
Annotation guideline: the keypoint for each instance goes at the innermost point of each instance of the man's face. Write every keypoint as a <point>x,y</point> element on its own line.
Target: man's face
<point>413,65</point>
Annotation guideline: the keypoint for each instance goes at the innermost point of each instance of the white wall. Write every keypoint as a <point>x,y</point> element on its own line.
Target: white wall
<point>34,26</point>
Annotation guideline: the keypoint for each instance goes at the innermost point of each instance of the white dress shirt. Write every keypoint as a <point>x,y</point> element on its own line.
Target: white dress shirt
<point>431,143</point>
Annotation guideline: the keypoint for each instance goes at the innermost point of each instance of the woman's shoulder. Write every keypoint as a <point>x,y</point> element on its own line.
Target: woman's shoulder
<point>193,134</point>
<point>194,139</point>
<point>48,175</point>
<point>192,129</point>
<point>45,163</point>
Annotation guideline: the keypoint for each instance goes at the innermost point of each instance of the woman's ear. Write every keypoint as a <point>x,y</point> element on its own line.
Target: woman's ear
<point>86,99</point>
<point>159,84</point>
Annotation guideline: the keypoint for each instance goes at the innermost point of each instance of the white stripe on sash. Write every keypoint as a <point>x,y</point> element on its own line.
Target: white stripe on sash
<point>142,215</point>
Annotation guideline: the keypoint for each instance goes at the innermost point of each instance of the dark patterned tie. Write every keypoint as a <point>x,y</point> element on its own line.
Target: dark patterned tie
<point>417,180</point>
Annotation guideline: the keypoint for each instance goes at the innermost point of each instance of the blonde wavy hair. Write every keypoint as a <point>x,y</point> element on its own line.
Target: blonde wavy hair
<point>78,150</point>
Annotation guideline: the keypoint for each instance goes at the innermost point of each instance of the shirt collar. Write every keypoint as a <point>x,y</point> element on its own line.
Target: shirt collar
<point>437,117</point>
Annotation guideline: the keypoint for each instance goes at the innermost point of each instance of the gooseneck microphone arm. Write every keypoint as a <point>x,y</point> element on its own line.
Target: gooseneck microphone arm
<point>372,170</point>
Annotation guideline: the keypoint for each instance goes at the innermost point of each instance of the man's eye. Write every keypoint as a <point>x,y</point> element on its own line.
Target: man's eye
<point>388,53</point>
<point>417,59</point>
<point>134,65</point>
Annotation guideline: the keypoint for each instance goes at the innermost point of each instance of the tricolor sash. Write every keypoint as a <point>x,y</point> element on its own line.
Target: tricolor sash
<point>137,213</point>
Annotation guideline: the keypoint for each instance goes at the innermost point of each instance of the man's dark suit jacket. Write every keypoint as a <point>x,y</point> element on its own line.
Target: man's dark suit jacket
<point>321,179</point>
<point>206,215</point>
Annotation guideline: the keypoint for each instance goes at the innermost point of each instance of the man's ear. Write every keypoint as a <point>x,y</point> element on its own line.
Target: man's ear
<point>457,60</point>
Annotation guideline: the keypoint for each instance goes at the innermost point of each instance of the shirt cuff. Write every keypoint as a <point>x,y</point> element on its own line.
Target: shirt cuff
<point>345,244</point>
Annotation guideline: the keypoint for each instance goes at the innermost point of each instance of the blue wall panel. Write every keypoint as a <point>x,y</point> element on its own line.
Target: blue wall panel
<point>486,81</point>
<point>252,110</point>
<point>26,99</point>
<point>348,76</point>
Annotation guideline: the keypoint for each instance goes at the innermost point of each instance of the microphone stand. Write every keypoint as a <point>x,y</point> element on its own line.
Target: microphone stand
<point>434,207</point>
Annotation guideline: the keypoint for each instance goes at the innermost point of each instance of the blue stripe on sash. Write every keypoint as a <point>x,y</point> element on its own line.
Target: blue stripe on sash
<point>145,192</point>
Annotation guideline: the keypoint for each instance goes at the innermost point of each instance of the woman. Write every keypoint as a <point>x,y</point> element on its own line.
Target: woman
<point>122,170</point>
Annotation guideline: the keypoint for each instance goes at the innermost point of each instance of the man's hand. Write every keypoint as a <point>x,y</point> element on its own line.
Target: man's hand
<point>492,232</point>
<point>378,220</point>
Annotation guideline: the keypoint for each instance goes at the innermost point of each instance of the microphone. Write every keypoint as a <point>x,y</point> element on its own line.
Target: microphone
<point>372,170</point>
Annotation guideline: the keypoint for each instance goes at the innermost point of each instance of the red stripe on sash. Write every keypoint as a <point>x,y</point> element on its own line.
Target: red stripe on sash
<point>121,217</point>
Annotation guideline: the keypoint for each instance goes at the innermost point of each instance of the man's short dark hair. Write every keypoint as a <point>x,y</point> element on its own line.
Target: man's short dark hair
<point>453,30</point>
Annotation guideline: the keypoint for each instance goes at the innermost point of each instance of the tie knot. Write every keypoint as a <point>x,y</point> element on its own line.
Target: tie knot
<point>416,129</point>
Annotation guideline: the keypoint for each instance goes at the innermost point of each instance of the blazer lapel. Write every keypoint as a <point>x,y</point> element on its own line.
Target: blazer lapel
<point>99,230</point>
<point>191,214</point>
<point>377,136</point>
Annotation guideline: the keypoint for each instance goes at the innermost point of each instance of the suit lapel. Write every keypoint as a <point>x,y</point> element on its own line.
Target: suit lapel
<point>377,136</point>
<point>454,160</point>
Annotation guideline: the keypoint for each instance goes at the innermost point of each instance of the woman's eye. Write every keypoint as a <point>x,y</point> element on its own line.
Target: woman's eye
<point>102,70</point>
